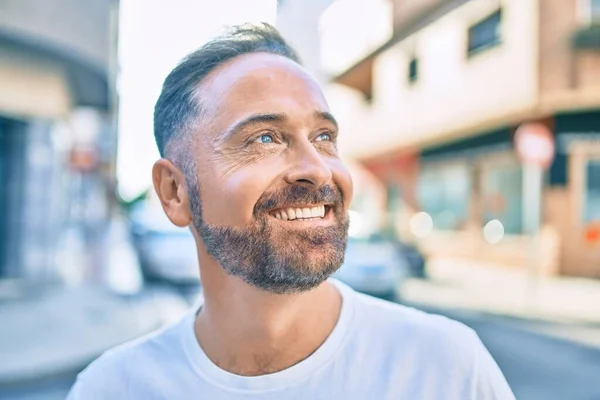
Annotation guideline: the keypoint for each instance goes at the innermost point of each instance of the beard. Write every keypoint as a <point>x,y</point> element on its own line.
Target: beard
<point>272,258</point>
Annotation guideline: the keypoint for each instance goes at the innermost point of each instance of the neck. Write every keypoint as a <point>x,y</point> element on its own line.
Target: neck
<point>247,331</point>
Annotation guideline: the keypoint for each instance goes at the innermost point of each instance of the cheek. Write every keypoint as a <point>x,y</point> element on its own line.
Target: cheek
<point>230,200</point>
<point>342,177</point>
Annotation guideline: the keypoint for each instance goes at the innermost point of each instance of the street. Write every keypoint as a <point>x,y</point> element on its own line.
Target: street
<point>537,366</point>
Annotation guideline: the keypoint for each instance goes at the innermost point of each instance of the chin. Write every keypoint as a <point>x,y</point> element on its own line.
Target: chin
<point>294,272</point>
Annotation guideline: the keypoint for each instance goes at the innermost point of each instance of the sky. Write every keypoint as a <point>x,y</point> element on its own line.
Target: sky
<point>153,36</point>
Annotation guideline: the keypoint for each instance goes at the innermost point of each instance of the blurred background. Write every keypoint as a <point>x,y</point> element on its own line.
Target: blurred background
<point>471,127</point>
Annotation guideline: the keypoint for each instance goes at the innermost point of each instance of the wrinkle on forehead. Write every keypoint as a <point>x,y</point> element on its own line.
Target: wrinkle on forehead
<point>251,83</point>
<point>259,75</point>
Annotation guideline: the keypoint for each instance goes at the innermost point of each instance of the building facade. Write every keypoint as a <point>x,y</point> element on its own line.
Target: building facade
<point>56,126</point>
<point>433,112</point>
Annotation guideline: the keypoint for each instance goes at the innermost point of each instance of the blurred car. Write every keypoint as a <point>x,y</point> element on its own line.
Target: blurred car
<point>166,252</point>
<point>373,266</point>
<point>414,258</point>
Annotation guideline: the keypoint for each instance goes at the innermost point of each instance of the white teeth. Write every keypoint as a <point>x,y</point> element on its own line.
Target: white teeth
<point>306,213</point>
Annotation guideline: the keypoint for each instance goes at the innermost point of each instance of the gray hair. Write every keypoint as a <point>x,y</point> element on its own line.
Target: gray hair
<point>178,105</point>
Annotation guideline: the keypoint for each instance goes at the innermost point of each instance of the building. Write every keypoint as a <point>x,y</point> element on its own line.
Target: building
<point>56,126</point>
<point>431,109</point>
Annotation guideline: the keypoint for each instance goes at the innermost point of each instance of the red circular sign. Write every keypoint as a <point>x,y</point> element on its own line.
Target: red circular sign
<point>535,144</point>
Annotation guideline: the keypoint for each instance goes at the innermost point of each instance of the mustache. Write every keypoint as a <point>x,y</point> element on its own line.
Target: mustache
<point>296,194</point>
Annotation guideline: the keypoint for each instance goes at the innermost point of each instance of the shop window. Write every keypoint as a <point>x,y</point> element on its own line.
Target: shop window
<point>444,193</point>
<point>594,11</point>
<point>413,70</point>
<point>502,196</point>
<point>591,210</point>
<point>13,145</point>
<point>485,34</point>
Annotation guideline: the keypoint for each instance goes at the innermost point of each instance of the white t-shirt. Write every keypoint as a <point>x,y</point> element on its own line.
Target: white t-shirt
<point>377,350</point>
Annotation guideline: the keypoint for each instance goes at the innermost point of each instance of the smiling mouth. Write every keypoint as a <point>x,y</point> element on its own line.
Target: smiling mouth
<point>306,213</point>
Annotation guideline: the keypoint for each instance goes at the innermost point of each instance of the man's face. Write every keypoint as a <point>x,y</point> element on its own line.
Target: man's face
<point>274,192</point>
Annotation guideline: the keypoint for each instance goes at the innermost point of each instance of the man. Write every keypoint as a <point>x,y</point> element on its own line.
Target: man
<point>250,164</point>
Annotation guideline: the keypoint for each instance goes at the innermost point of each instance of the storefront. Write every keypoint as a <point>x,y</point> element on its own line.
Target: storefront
<point>12,150</point>
<point>466,184</point>
<point>471,192</point>
<point>48,75</point>
<point>578,156</point>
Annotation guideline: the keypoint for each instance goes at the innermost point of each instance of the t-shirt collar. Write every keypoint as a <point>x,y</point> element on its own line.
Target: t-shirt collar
<point>209,371</point>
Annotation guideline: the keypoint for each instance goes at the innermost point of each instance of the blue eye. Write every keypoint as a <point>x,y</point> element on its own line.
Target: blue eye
<point>266,138</point>
<point>323,137</point>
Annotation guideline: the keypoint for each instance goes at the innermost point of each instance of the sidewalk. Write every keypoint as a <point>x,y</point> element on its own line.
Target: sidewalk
<point>509,292</point>
<point>61,330</point>
<point>58,330</point>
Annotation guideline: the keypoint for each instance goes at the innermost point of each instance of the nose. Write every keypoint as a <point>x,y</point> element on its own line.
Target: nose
<point>308,168</point>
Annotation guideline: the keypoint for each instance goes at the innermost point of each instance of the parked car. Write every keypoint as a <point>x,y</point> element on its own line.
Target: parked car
<point>373,266</point>
<point>166,252</point>
<point>414,258</point>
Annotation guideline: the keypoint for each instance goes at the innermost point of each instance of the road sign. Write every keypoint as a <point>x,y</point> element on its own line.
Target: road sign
<point>535,144</point>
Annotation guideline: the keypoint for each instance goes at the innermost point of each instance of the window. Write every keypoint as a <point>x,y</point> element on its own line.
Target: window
<point>444,193</point>
<point>485,34</point>
<point>502,196</point>
<point>413,70</point>
<point>591,209</point>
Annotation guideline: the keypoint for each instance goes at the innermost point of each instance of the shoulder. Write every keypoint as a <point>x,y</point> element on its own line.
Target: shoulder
<point>401,326</point>
<point>435,348</point>
<point>397,316</point>
<point>117,372</point>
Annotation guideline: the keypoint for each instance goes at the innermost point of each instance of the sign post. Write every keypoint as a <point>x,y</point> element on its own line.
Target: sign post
<point>535,147</point>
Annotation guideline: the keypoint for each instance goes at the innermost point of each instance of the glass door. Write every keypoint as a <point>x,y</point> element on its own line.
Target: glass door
<point>591,195</point>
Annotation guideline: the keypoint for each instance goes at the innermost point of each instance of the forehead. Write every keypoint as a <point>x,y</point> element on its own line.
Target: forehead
<point>261,83</point>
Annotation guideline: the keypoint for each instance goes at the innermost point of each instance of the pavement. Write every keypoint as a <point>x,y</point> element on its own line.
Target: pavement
<point>562,307</point>
<point>56,331</point>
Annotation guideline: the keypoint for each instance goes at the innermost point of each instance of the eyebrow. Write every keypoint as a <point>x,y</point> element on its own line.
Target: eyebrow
<point>328,117</point>
<point>259,118</point>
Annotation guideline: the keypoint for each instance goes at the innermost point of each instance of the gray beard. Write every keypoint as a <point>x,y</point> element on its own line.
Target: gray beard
<point>278,263</point>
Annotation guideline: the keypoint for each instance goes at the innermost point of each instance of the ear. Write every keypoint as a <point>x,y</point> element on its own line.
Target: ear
<point>169,183</point>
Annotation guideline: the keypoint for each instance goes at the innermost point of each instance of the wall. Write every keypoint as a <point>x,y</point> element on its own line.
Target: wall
<point>32,86</point>
<point>405,10</point>
<point>75,27</point>
<point>569,79</point>
<point>454,94</point>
